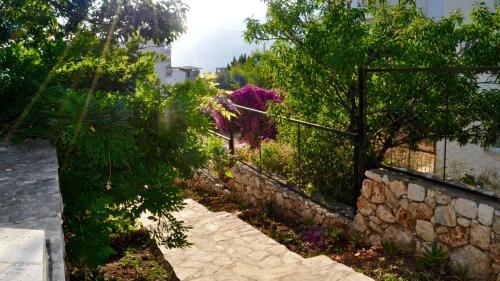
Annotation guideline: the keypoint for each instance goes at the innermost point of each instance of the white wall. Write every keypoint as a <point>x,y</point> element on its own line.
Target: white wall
<point>177,76</point>
<point>470,159</point>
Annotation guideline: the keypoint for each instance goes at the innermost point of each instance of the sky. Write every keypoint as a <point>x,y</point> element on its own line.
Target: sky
<point>215,32</point>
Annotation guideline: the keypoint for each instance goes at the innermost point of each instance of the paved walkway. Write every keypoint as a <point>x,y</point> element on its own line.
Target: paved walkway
<point>227,248</point>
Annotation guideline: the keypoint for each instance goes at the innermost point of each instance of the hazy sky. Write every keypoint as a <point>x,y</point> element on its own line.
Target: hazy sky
<point>214,32</point>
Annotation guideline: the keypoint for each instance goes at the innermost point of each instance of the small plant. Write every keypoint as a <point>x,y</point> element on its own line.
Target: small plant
<point>336,234</point>
<point>130,260</point>
<point>461,272</point>
<point>219,159</point>
<point>434,259</point>
<point>356,240</point>
<point>390,247</point>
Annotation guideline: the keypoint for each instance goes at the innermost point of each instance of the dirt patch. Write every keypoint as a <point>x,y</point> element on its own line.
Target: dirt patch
<point>137,258</point>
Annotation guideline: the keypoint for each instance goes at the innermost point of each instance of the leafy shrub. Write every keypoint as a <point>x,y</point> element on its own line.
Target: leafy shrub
<point>253,127</point>
<point>218,156</point>
<point>390,247</point>
<point>434,258</point>
<point>315,237</point>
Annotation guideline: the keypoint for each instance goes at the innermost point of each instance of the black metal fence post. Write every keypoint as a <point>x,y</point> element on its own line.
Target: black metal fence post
<point>231,137</point>
<point>360,139</point>
<point>299,170</point>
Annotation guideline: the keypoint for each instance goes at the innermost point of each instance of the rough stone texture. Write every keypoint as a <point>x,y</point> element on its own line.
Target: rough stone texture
<point>373,191</point>
<point>420,211</point>
<point>480,236</point>
<point>455,238</point>
<point>425,230</point>
<point>466,208</point>
<point>445,215</point>
<point>475,260</point>
<point>365,207</point>
<point>385,214</point>
<point>416,192</point>
<point>399,188</point>
<point>485,214</point>
<point>23,255</point>
<point>226,248</point>
<point>30,196</point>
<point>402,238</point>
<point>465,224</point>
<point>359,223</point>
<point>405,218</point>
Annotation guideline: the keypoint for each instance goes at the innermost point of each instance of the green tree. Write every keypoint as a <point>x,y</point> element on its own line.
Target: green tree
<point>75,73</point>
<point>320,46</point>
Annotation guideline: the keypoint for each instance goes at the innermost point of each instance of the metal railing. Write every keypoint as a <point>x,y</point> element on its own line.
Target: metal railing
<point>437,174</point>
<point>300,139</point>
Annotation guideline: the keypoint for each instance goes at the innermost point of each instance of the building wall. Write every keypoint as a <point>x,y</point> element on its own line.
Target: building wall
<point>471,159</point>
<point>177,76</point>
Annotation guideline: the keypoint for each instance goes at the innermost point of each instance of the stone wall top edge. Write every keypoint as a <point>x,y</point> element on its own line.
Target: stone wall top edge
<point>283,189</point>
<point>382,175</point>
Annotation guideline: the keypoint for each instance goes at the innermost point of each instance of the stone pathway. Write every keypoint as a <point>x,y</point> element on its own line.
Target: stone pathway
<point>227,248</point>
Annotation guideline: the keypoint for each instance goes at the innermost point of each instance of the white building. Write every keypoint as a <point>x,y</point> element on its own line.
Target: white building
<point>182,73</point>
<point>168,74</point>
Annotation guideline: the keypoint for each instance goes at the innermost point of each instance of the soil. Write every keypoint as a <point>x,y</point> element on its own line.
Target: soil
<point>378,263</point>
<point>137,258</point>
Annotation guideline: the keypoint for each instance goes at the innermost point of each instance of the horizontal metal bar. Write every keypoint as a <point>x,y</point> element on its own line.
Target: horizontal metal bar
<point>437,181</point>
<point>219,135</point>
<point>312,125</point>
<point>436,69</point>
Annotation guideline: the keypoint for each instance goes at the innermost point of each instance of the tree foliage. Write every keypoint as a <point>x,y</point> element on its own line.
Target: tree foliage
<point>320,47</point>
<point>75,72</point>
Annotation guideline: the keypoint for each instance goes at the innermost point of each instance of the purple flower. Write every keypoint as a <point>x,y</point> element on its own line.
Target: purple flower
<point>315,237</point>
<point>253,127</point>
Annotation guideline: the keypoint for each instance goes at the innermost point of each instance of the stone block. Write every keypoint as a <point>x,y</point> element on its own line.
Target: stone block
<point>385,214</point>
<point>472,258</point>
<point>403,238</point>
<point>23,255</point>
<point>445,215</point>
<point>390,199</point>
<point>463,222</point>
<point>455,238</point>
<point>480,236</point>
<point>359,223</point>
<point>416,192</point>
<point>373,191</point>
<point>399,188</point>
<point>466,208</point>
<point>425,230</point>
<point>405,218</point>
<point>365,207</point>
<point>442,198</point>
<point>420,211</point>
<point>485,214</point>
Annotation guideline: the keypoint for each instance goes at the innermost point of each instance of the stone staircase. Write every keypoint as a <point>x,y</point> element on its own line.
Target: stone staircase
<point>227,248</point>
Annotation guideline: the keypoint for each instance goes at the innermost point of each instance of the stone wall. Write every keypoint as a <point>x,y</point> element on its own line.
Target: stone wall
<point>30,197</point>
<point>415,213</point>
<point>254,189</point>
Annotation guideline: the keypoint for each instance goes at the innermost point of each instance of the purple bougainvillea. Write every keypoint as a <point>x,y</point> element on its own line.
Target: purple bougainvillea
<point>315,237</point>
<point>253,127</point>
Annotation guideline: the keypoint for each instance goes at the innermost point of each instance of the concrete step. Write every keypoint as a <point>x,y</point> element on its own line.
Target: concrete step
<point>23,255</point>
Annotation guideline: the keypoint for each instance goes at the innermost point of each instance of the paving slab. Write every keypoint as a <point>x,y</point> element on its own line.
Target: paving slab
<point>23,255</point>
<point>227,248</point>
